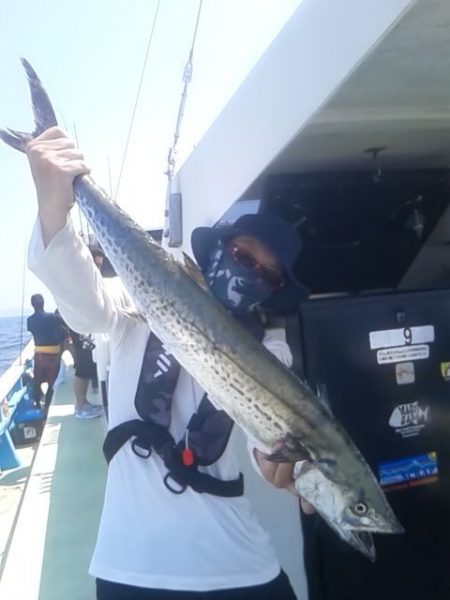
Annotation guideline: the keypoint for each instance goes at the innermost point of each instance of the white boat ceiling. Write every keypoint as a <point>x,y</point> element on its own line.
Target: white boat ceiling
<point>339,79</point>
<point>398,98</point>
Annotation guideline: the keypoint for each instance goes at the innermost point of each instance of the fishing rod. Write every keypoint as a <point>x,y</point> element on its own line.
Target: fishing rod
<point>171,158</point>
<point>24,272</point>
<point>133,115</point>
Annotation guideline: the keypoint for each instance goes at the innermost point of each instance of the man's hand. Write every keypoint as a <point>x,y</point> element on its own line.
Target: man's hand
<point>54,162</point>
<point>280,475</point>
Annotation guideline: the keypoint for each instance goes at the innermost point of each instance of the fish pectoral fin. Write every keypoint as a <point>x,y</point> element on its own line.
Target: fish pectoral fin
<point>322,396</point>
<point>289,450</point>
<point>192,271</point>
<point>279,456</point>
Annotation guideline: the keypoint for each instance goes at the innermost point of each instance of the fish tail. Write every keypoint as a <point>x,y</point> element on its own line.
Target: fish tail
<point>16,139</point>
<point>44,115</point>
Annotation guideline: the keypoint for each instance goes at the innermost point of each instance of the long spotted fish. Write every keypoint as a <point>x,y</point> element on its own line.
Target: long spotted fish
<point>262,396</point>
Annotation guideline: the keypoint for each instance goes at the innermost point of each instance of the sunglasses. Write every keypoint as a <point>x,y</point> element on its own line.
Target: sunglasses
<point>272,277</point>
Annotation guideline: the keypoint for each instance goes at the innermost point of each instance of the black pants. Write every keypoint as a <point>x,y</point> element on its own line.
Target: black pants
<point>277,589</point>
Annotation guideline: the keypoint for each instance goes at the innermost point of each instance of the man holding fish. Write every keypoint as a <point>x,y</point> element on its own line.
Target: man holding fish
<point>235,555</point>
<point>175,523</point>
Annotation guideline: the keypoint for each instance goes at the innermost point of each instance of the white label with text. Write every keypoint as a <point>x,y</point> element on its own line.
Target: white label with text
<point>395,355</point>
<point>405,336</point>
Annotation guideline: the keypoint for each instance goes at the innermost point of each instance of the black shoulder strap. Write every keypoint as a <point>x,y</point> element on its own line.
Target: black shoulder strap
<point>147,437</point>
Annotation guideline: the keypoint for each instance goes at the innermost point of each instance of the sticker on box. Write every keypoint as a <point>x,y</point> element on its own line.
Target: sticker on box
<point>405,336</point>
<point>403,354</point>
<point>29,433</point>
<point>409,419</point>
<point>404,373</point>
<point>409,472</point>
<point>445,371</point>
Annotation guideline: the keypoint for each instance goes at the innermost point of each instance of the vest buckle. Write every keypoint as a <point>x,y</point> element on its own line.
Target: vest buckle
<point>170,486</point>
<point>141,448</point>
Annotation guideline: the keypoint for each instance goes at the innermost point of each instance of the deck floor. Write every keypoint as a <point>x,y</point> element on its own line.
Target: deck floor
<point>54,536</point>
<point>12,485</point>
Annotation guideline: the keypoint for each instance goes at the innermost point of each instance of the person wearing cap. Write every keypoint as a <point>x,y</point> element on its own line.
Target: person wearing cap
<point>260,250</point>
<point>169,529</point>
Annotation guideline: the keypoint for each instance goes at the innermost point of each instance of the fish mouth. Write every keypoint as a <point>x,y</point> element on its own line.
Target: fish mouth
<point>362,541</point>
<point>390,525</point>
<point>361,538</point>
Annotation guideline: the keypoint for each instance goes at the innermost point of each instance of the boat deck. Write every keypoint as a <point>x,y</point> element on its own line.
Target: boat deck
<point>53,535</point>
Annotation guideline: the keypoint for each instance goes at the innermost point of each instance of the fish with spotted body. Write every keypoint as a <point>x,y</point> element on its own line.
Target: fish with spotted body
<point>268,401</point>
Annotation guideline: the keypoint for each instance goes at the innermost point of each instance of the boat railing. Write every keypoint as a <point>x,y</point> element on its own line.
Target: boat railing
<point>13,387</point>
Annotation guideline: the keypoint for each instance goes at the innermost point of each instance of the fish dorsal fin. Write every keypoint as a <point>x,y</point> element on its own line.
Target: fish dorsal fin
<point>191,269</point>
<point>322,396</point>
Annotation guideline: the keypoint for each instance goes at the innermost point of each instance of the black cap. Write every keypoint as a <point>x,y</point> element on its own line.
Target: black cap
<point>276,235</point>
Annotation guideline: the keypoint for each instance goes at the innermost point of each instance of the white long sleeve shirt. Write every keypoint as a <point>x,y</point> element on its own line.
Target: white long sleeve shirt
<point>148,536</point>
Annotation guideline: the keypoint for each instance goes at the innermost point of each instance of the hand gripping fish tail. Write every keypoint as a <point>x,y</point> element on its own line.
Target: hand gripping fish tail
<point>273,406</point>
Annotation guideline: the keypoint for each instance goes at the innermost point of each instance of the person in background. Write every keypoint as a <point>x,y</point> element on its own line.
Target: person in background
<point>48,333</point>
<point>85,372</point>
<point>85,368</point>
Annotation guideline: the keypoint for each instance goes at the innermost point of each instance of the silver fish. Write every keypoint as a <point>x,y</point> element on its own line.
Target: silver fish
<point>269,402</point>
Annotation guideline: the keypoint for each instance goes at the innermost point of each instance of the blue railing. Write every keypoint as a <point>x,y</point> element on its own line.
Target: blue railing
<point>16,410</point>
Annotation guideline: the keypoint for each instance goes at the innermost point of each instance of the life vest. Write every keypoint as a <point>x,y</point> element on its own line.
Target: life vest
<point>207,432</point>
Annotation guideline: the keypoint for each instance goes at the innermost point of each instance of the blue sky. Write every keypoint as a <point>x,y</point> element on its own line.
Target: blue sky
<point>89,54</point>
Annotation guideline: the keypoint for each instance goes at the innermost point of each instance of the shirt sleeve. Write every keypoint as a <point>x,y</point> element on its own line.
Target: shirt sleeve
<point>275,341</point>
<point>66,267</point>
<point>102,350</point>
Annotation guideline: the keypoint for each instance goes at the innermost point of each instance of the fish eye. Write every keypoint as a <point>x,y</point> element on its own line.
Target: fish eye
<point>360,508</point>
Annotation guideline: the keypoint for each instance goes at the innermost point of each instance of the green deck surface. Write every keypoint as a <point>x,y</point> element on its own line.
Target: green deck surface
<point>77,489</point>
<point>55,528</point>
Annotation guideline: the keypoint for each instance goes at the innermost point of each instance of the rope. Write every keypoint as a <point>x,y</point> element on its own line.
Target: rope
<point>137,99</point>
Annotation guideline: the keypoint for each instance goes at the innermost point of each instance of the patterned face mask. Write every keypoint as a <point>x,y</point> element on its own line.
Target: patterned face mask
<point>238,288</point>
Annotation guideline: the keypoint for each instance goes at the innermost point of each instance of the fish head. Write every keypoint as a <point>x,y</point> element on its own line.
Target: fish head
<point>354,508</point>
